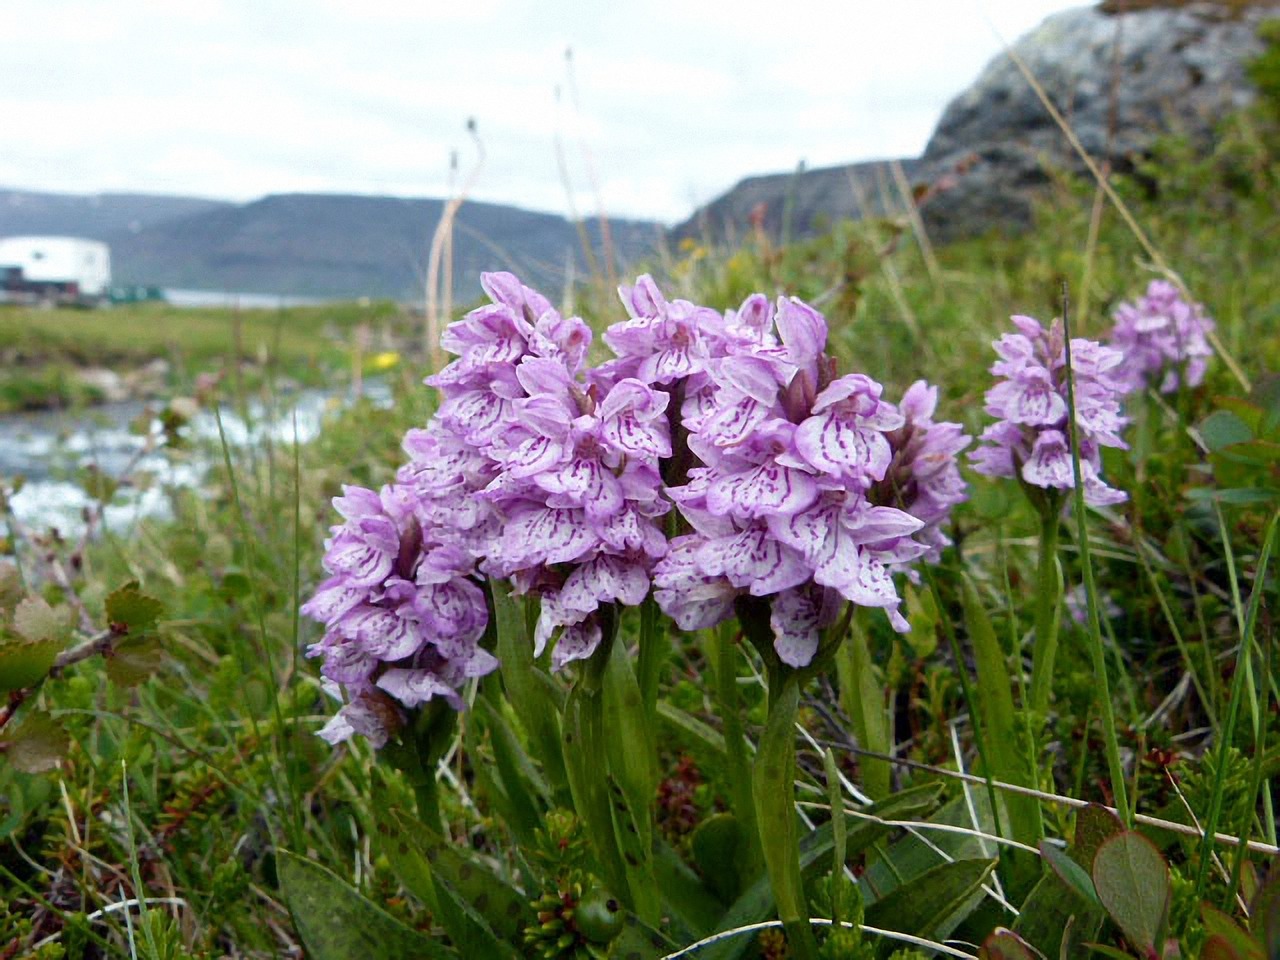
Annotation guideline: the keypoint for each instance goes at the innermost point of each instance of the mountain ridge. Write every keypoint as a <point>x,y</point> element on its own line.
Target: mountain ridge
<point>305,244</point>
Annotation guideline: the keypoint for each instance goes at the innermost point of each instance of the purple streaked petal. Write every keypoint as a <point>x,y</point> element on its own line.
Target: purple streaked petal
<point>835,444</point>
<point>761,491</point>
<point>794,618</point>
<point>753,559</point>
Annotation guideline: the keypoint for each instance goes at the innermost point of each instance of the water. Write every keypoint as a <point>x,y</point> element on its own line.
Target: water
<point>239,301</point>
<point>47,447</point>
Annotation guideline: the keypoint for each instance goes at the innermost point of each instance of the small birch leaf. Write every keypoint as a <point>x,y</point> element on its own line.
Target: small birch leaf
<point>37,744</point>
<point>24,665</point>
<point>132,660</point>
<point>131,612</point>
<point>35,620</point>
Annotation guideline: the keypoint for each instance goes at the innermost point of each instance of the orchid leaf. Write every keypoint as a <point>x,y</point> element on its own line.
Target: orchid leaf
<point>336,922</point>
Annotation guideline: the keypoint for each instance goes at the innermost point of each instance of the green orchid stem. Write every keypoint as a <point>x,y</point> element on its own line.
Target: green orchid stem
<point>417,750</point>
<point>774,789</point>
<point>655,648</point>
<point>1048,606</point>
<point>584,750</point>
<point>1097,654</point>
<point>728,704</point>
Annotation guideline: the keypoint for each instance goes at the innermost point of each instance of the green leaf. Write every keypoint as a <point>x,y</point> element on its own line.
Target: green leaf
<point>424,862</point>
<point>583,750</point>
<point>1095,824</point>
<point>922,614</point>
<point>513,773</point>
<point>629,746</point>
<point>1265,914</point>
<point>131,612</point>
<point>716,845</point>
<point>25,664</point>
<point>639,940</point>
<point>36,745</point>
<point>1231,936</point>
<point>1223,428</point>
<point>756,903</point>
<point>1255,453</point>
<point>530,691</point>
<point>336,922</point>
<point>1005,945</point>
<point>705,736</point>
<point>1054,919</point>
<point>1241,496</point>
<point>1106,951</point>
<point>1217,947</point>
<point>934,902</point>
<point>684,892</point>
<point>773,791</point>
<point>1070,872</point>
<point>999,719</point>
<point>1132,880</point>
<point>35,620</point>
<point>132,660</point>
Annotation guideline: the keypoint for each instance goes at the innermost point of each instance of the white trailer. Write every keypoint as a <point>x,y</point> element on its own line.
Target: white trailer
<point>60,269</point>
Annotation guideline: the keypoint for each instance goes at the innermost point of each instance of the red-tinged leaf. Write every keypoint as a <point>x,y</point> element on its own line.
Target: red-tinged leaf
<point>1005,945</point>
<point>1265,914</point>
<point>1132,880</point>
<point>1094,825</point>
<point>1218,947</point>
<point>1224,928</point>
<point>1103,950</point>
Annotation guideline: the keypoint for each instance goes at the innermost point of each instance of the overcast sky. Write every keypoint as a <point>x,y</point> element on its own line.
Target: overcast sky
<point>667,104</point>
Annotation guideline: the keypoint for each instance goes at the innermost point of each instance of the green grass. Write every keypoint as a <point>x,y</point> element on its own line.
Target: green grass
<point>310,345</point>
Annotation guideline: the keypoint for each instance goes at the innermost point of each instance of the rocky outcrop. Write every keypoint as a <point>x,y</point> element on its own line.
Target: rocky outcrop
<point>1120,80</point>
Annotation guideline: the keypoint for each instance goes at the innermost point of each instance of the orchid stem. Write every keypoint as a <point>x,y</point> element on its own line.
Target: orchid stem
<point>774,789</point>
<point>730,708</point>
<point>1048,606</point>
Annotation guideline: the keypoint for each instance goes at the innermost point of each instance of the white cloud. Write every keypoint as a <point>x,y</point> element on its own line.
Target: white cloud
<point>677,100</point>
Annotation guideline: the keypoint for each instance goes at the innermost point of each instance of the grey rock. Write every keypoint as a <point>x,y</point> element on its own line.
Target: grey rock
<point>1119,80</point>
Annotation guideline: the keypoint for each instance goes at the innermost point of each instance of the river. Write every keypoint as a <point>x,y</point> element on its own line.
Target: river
<point>49,448</point>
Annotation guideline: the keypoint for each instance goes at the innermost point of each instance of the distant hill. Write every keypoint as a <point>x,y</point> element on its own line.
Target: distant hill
<point>320,245</point>
<point>802,202</point>
<point>96,216</point>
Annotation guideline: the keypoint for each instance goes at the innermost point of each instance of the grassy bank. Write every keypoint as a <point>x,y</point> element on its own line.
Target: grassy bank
<point>44,350</point>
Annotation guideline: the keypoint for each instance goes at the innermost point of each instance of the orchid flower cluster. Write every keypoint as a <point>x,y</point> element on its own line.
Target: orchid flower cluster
<point>1164,340</point>
<point>1030,437</point>
<point>555,479</point>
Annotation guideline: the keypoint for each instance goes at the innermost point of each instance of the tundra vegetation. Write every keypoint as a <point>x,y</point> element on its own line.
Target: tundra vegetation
<point>767,612</point>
